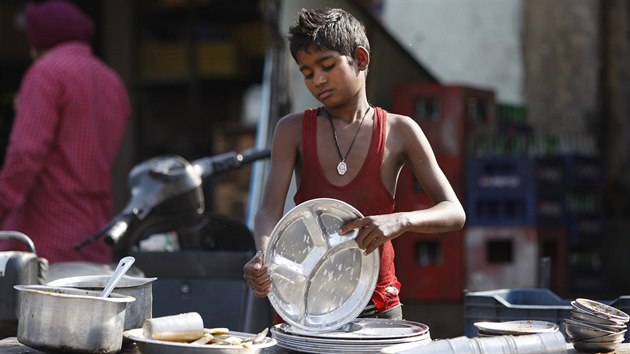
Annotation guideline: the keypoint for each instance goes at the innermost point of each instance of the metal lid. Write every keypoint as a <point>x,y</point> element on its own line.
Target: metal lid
<point>321,280</point>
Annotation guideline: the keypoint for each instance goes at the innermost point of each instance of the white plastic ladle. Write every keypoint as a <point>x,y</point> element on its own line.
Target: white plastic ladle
<point>122,268</point>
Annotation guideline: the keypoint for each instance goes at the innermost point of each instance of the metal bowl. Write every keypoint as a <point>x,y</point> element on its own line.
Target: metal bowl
<point>321,279</point>
<point>601,310</point>
<point>579,331</point>
<point>597,322</point>
<point>613,337</point>
<point>598,347</point>
<point>140,288</point>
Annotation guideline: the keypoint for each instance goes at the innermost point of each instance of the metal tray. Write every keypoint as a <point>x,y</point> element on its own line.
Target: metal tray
<point>321,280</point>
<point>152,346</point>
<point>516,327</point>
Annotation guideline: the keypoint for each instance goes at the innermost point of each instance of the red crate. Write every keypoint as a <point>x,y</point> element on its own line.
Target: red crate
<point>448,115</point>
<point>409,192</point>
<point>430,266</point>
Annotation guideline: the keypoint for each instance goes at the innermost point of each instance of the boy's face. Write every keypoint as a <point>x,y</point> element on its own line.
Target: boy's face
<point>332,78</point>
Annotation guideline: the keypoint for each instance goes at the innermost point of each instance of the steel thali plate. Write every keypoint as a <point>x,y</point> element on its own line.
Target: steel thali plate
<point>516,327</point>
<point>321,279</point>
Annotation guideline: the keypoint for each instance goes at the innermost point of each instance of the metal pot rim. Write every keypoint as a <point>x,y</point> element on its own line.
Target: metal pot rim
<point>67,292</point>
<point>99,281</point>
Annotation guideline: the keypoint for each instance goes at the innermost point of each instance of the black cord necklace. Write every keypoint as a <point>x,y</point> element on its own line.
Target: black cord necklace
<point>342,167</point>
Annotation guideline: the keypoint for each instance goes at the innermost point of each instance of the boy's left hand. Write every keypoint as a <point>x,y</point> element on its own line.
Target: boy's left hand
<point>373,231</point>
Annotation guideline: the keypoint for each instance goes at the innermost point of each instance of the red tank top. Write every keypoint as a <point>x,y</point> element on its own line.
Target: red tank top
<point>314,184</point>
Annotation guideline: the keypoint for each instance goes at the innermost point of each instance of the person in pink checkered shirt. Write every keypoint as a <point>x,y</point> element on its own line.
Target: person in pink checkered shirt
<point>71,114</point>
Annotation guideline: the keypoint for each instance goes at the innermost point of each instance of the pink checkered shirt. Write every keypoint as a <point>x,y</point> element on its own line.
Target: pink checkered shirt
<point>55,184</point>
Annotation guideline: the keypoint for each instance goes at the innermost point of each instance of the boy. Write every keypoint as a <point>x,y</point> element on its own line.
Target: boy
<point>351,151</point>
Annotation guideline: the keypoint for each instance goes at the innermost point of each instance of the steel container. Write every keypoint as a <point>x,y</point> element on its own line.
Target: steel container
<point>139,288</point>
<point>70,320</point>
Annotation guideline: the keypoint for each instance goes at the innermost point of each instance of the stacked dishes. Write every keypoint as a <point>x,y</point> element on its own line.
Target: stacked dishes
<point>595,327</point>
<point>322,281</point>
<point>363,335</point>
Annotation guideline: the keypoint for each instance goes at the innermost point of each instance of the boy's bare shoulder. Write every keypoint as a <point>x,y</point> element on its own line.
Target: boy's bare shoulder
<point>290,126</point>
<point>291,121</point>
<point>292,118</point>
<point>399,121</point>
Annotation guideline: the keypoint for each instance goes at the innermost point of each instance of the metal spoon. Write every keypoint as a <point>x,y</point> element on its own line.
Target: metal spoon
<point>121,269</point>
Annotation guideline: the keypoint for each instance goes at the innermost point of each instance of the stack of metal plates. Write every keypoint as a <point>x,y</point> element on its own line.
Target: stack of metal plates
<point>363,335</point>
<point>322,281</point>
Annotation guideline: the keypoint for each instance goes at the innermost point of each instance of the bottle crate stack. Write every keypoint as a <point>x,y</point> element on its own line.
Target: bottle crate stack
<point>533,202</point>
<point>560,197</point>
<point>431,266</point>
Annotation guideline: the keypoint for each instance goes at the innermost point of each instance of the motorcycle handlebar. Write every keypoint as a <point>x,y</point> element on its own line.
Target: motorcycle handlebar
<point>214,165</point>
<point>112,231</point>
<point>254,155</point>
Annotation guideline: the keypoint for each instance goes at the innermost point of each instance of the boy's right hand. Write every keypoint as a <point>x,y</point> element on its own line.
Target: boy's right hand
<point>257,275</point>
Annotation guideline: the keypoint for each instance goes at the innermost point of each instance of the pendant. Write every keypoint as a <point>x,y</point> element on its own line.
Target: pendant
<point>342,168</point>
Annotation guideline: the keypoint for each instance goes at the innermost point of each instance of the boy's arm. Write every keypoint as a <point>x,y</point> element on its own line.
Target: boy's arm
<point>283,156</point>
<point>447,213</point>
<point>284,150</point>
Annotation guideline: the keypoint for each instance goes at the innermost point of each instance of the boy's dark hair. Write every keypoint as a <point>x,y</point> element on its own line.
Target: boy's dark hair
<point>327,29</point>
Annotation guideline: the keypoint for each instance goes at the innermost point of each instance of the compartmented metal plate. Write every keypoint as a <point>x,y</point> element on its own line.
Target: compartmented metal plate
<point>321,279</point>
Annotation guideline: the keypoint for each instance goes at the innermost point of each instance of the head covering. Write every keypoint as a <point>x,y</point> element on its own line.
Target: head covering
<point>57,21</point>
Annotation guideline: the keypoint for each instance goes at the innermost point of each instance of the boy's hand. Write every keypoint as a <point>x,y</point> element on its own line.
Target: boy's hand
<point>257,275</point>
<point>373,231</point>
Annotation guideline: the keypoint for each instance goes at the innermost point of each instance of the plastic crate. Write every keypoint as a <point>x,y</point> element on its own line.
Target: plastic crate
<point>585,227</point>
<point>549,175</point>
<point>500,175</point>
<point>551,210</point>
<point>409,192</point>
<point>449,115</point>
<point>500,209</point>
<point>523,304</point>
<point>583,171</point>
<point>430,267</point>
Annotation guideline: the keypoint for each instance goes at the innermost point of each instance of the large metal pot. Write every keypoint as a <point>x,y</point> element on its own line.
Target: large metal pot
<point>140,288</point>
<point>70,320</point>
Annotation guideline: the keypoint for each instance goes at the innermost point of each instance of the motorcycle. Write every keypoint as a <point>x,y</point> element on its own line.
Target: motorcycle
<point>167,208</point>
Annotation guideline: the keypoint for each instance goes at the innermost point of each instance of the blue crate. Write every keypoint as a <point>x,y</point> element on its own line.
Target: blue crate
<point>499,175</point>
<point>500,209</point>
<point>583,172</point>
<point>551,210</point>
<point>548,175</point>
<point>585,227</point>
<point>523,304</point>
<point>526,175</point>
